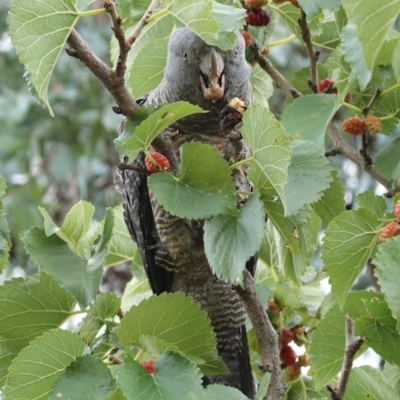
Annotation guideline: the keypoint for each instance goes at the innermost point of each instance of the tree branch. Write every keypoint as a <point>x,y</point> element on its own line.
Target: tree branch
<point>276,76</point>
<point>119,34</point>
<point>267,337</point>
<point>142,23</point>
<point>368,107</point>
<point>114,84</point>
<point>340,146</point>
<point>314,55</point>
<point>112,79</point>
<point>134,167</point>
<point>353,344</point>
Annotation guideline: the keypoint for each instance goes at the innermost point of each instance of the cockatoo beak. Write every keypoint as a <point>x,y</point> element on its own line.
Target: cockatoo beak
<point>212,78</point>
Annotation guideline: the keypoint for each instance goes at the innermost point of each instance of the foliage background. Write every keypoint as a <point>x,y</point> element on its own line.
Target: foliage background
<point>54,162</point>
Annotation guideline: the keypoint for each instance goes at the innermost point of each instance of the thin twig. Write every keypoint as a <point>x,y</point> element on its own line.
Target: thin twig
<point>112,79</point>
<point>267,337</point>
<point>119,34</point>
<point>115,359</point>
<point>366,110</point>
<point>353,344</point>
<point>364,148</point>
<point>314,55</point>
<point>142,23</point>
<point>276,76</point>
<point>133,167</point>
<point>340,146</point>
<point>115,85</point>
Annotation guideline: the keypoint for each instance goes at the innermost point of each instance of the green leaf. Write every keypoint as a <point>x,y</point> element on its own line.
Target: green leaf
<point>175,319</point>
<point>387,261</point>
<point>106,305</point>
<point>368,383</point>
<point>339,70</point>
<point>151,127</point>
<point>364,35</point>
<point>202,188</point>
<point>392,376</point>
<point>129,128</point>
<point>79,276</point>
<point>376,204</point>
<point>332,203</point>
<point>86,378</point>
<point>5,243</point>
<point>287,227</point>
<point>135,292</point>
<point>328,340</point>
<point>291,17</point>
<point>312,8</point>
<point>295,264</point>
<point>229,19</point>
<point>309,176</point>
<point>147,67</point>
<point>327,348</point>
<point>138,78</point>
<point>217,392</point>
<point>262,86</point>
<point>388,105</point>
<point>38,366</point>
<point>348,244</point>
<point>353,54</point>
<point>29,307</point>
<point>387,162</point>
<point>39,31</point>
<point>122,248</point>
<point>76,223</point>
<point>395,61</point>
<point>387,53</point>
<point>307,117</point>
<point>174,377</point>
<point>327,29</point>
<point>198,16</point>
<point>271,150</point>
<point>3,186</point>
<point>132,11</point>
<point>378,329</point>
<point>230,240</point>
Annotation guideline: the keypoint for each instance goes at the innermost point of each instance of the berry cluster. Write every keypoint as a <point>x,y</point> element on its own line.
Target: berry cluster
<point>353,126</point>
<point>273,307</point>
<point>162,161</point>
<point>373,124</point>
<point>392,228</point>
<point>149,365</point>
<point>250,4</point>
<point>257,17</point>
<point>327,86</point>
<point>247,38</point>
<point>288,356</point>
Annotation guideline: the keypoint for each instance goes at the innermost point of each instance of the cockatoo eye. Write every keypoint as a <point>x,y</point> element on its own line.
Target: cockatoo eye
<point>185,55</point>
<point>236,53</point>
